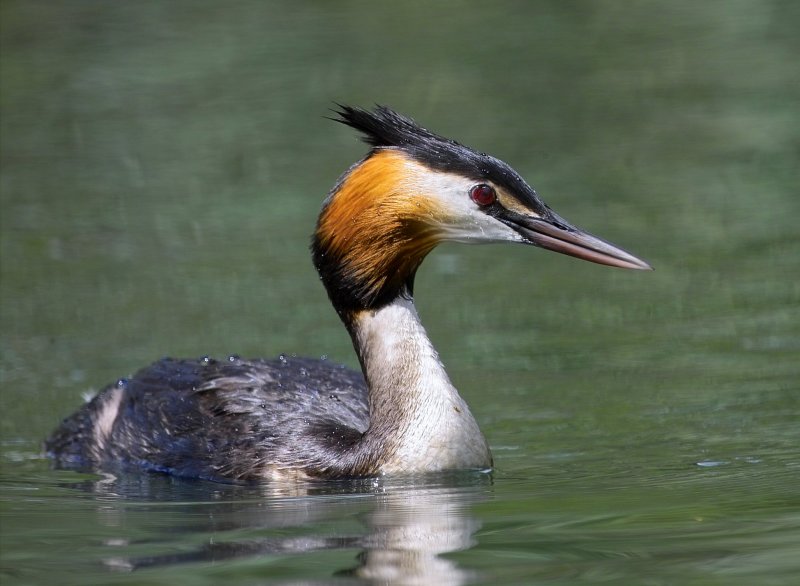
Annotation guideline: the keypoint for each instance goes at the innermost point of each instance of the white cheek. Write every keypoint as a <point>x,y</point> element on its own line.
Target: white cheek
<point>463,220</point>
<point>477,227</point>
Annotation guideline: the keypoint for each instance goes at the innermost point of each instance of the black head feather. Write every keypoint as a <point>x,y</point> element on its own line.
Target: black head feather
<point>384,128</point>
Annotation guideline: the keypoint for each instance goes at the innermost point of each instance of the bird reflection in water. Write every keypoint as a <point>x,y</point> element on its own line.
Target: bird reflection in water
<point>408,523</point>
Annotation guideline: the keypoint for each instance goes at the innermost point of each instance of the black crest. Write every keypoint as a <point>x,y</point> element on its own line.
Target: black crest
<point>385,128</point>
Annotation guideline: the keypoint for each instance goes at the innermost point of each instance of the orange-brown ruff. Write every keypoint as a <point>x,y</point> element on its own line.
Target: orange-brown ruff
<point>381,224</point>
<point>293,418</point>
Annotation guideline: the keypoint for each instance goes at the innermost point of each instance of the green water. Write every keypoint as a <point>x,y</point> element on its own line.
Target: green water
<point>162,165</point>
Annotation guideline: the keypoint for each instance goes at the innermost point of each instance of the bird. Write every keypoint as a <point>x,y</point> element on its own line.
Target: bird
<point>292,418</point>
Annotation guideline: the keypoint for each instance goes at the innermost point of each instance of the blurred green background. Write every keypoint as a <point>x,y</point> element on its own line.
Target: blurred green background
<point>163,164</point>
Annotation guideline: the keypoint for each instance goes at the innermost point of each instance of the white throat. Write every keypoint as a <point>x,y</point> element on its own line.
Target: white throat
<point>416,415</point>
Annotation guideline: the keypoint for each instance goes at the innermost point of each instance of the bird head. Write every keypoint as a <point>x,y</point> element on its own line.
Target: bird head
<point>415,189</point>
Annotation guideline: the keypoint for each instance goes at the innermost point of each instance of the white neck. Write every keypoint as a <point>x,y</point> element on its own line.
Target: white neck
<point>417,417</point>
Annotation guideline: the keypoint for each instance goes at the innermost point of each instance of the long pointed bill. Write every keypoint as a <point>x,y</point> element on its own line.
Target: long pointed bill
<point>559,236</point>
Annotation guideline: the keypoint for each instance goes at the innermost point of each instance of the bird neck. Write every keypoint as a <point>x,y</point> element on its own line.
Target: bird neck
<point>417,418</point>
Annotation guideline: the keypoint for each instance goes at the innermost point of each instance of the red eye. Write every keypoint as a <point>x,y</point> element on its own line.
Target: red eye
<point>483,194</point>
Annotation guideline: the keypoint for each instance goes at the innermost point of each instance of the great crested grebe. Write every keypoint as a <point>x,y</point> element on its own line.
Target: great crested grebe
<point>300,418</point>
